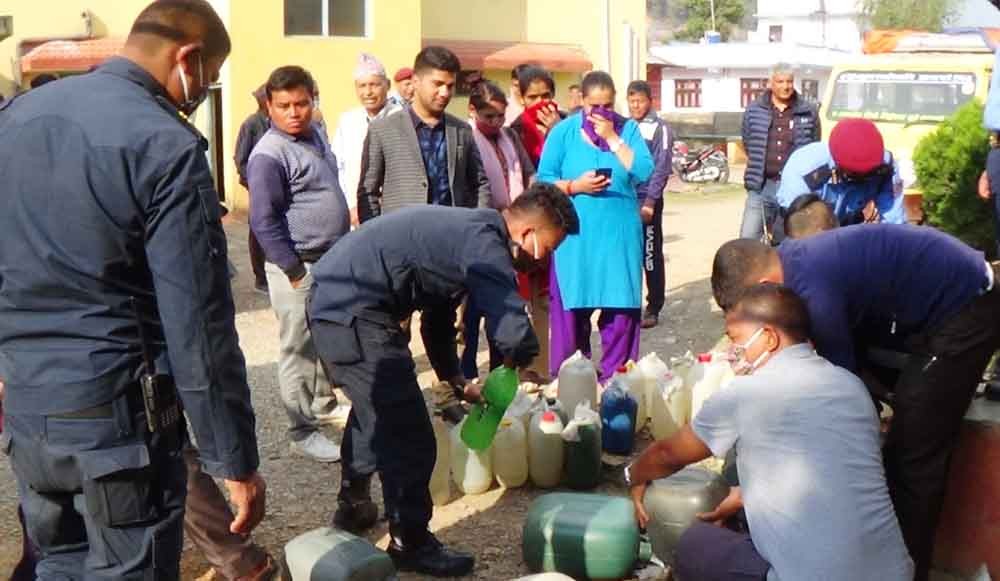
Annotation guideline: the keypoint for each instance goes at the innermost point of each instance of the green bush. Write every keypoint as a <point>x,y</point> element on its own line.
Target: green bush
<point>948,163</point>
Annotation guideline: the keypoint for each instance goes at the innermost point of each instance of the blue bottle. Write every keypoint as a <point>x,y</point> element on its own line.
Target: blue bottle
<point>618,411</point>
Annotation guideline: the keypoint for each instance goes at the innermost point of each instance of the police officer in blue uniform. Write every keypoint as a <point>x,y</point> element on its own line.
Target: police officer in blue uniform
<point>115,308</point>
<point>423,258</point>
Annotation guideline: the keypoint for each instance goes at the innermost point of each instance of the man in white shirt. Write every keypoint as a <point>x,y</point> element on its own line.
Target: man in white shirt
<point>809,460</point>
<point>372,87</point>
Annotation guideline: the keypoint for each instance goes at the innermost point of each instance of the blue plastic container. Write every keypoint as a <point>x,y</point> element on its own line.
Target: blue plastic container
<point>618,411</point>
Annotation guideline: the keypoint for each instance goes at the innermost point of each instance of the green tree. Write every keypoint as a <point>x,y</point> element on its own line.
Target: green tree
<point>948,164</point>
<point>728,13</point>
<point>930,15</point>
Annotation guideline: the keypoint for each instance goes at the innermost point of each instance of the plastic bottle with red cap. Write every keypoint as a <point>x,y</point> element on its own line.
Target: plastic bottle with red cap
<point>546,452</point>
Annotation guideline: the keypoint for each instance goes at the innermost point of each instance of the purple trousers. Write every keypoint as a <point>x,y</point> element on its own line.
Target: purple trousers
<point>569,331</point>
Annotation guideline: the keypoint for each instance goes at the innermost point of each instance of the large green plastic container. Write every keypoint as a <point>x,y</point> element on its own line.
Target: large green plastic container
<point>332,555</point>
<point>585,536</point>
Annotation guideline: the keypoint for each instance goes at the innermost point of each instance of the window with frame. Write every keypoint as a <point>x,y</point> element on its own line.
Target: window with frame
<point>810,89</point>
<point>774,33</point>
<point>751,90</point>
<point>326,18</point>
<point>687,93</point>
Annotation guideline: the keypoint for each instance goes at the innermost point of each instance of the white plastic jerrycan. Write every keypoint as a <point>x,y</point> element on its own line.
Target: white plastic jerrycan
<point>471,470</point>
<point>707,376</point>
<point>577,382</point>
<point>671,406</point>
<point>652,370</point>
<point>440,485</point>
<point>635,381</point>
<point>546,451</point>
<point>510,454</point>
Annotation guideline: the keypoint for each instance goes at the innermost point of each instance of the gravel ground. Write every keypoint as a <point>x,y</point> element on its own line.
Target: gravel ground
<point>302,494</point>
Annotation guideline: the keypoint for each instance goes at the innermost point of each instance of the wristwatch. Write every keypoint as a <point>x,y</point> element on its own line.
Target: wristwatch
<point>628,475</point>
<point>616,145</point>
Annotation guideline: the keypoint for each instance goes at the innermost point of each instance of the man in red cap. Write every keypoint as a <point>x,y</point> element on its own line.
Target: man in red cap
<point>404,86</point>
<point>853,172</point>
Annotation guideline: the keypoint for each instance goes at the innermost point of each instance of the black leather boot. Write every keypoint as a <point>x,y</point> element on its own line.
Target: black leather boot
<point>421,552</point>
<point>356,512</point>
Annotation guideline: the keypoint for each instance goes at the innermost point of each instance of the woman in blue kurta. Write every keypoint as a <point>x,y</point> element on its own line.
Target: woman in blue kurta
<point>601,267</point>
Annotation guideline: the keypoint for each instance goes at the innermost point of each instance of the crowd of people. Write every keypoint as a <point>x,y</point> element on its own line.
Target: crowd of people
<point>521,217</point>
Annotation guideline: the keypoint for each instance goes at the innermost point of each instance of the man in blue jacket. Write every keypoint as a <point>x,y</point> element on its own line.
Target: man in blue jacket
<point>938,297</point>
<point>116,308</point>
<point>854,173</point>
<point>774,126</point>
<point>660,140</point>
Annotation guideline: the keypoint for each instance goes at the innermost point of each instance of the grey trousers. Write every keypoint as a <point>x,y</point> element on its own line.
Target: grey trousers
<point>207,517</point>
<point>301,377</point>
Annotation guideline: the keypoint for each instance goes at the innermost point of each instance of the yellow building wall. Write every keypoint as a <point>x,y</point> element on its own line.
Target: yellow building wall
<point>459,106</point>
<point>60,18</point>
<point>475,19</point>
<point>259,46</point>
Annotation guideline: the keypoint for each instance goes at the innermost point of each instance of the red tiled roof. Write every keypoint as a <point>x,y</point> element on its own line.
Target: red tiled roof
<point>485,54</point>
<point>70,55</point>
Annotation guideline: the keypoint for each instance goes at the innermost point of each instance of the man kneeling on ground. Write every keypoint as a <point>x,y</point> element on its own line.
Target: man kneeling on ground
<point>811,471</point>
<point>422,258</point>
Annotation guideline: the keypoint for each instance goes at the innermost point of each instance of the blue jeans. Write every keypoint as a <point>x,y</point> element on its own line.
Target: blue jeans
<point>760,205</point>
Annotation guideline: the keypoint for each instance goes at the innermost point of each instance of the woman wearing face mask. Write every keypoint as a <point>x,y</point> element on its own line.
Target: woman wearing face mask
<point>597,157</point>
<point>809,461</point>
<point>510,171</point>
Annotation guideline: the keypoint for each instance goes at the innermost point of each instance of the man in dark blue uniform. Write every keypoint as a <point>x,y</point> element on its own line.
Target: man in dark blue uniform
<point>937,297</point>
<point>424,258</point>
<point>114,290</point>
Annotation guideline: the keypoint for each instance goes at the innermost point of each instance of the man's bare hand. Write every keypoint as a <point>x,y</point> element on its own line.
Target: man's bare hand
<point>726,509</point>
<point>984,186</point>
<point>646,213</point>
<point>249,497</point>
<point>638,492</point>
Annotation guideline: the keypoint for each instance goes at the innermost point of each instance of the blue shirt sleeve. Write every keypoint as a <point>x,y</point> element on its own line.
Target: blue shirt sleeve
<point>801,163</point>
<point>269,201</point>
<point>831,329</point>
<point>889,199</point>
<point>186,249</point>
<point>991,115</point>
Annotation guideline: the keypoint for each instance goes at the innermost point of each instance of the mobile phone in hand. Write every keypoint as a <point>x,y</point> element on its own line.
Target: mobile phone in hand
<point>604,171</point>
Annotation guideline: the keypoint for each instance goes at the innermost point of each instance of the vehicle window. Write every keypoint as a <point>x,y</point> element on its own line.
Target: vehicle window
<point>900,96</point>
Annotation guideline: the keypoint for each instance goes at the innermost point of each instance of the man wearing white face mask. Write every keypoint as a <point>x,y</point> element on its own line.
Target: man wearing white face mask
<point>811,471</point>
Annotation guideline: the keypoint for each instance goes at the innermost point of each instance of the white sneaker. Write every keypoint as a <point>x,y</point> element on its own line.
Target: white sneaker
<point>318,447</point>
<point>336,417</point>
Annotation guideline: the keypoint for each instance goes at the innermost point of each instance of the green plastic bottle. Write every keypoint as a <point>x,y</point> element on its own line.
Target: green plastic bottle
<point>484,418</point>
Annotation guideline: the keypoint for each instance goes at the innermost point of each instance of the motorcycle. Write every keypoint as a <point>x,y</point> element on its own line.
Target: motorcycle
<point>707,164</point>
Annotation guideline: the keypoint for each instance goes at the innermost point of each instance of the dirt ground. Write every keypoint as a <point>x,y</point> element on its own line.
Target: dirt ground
<point>302,494</point>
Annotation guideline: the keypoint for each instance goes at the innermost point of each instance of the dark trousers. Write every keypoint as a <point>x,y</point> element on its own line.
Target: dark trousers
<point>257,260</point>
<point>388,430</point>
<point>101,498</point>
<point>993,169</point>
<point>932,396</point>
<point>653,263</point>
<point>206,522</point>
<point>706,552</point>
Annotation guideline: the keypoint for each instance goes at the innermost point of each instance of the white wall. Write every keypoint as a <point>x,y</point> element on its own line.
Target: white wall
<point>721,88</point>
<point>800,23</point>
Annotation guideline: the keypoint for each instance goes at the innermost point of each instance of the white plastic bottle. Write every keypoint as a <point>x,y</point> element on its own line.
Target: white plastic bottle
<point>510,454</point>
<point>546,452</point>
<point>671,406</point>
<point>635,380</point>
<point>706,377</point>
<point>652,369</point>
<point>577,382</point>
<point>440,485</point>
<point>472,471</point>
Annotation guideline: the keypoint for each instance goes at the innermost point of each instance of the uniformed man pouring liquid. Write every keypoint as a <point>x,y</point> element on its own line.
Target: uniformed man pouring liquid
<point>115,306</point>
<point>427,259</point>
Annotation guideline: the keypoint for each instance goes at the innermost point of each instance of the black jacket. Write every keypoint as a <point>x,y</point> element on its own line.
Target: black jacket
<point>757,124</point>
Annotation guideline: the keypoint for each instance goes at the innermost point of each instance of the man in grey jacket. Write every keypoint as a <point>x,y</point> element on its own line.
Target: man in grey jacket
<point>297,211</point>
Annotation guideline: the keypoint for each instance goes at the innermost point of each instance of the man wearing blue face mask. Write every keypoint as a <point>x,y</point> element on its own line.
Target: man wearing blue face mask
<point>811,474</point>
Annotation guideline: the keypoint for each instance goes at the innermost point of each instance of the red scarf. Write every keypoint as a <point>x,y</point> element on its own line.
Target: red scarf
<point>532,138</point>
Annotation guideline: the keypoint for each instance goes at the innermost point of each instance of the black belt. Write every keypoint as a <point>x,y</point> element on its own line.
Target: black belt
<point>167,417</point>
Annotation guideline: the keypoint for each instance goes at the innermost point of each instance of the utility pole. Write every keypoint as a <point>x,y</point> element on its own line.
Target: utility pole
<point>711,4</point>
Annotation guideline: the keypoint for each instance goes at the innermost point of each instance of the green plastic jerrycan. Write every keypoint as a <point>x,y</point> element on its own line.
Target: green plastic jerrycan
<point>585,536</point>
<point>583,458</point>
<point>333,555</point>
<point>484,418</point>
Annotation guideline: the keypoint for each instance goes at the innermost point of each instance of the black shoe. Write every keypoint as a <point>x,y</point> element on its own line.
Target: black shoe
<point>430,557</point>
<point>650,320</point>
<point>356,517</point>
<point>454,413</point>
